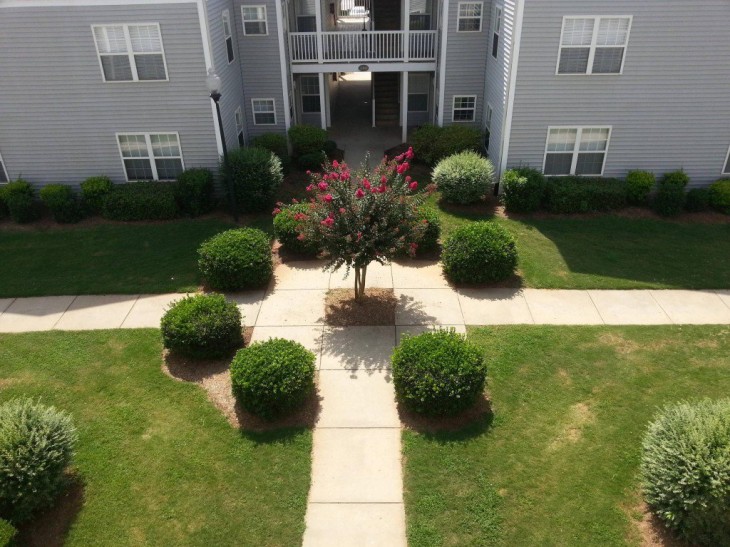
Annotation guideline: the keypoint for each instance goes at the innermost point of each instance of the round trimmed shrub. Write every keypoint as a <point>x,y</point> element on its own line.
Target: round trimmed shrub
<point>272,378</point>
<point>429,241</point>
<point>480,252</point>
<point>194,191</point>
<point>202,326</point>
<point>93,192</point>
<point>438,373</point>
<point>307,139</point>
<point>685,470</point>
<point>639,185</point>
<point>676,178</point>
<point>720,196</point>
<point>236,259</point>
<point>62,203</point>
<point>256,175</point>
<point>36,446</point>
<point>276,143</point>
<point>523,190</point>
<point>286,230</point>
<point>19,197</point>
<point>464,178</point>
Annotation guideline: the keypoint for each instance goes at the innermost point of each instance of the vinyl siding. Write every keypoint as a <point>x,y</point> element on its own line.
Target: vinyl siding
<point>670,109</point>
<point>58,119</point>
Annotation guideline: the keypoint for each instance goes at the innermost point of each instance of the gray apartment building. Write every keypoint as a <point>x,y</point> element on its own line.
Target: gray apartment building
<point>586,87</point>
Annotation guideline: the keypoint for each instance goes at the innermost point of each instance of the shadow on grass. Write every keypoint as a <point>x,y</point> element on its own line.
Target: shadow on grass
<point>473,422</point>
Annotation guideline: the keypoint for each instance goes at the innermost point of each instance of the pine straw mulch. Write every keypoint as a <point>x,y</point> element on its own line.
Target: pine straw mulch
<point>215,378</point>
<point>479,413</point>
<point>375,308</point>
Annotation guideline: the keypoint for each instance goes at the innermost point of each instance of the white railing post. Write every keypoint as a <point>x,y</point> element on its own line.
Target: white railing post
<point>319,37</point>
<point>407,32</point>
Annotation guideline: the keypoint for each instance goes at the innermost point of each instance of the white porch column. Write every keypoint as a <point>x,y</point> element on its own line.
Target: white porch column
<point>407,29</point>
<point>322,102</point>
<point>318,21</point>
<point>404,104</point>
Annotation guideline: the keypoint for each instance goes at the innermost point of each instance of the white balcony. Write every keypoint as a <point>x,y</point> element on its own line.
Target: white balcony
<point>363,46</point>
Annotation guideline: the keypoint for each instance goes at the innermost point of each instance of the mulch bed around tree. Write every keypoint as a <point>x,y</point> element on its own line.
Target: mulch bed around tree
<point>480,412</point>
<point>375,308</point>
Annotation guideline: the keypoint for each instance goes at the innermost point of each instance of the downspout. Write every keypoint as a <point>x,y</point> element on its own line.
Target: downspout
<point>442,61</point>
<point>284,64</point>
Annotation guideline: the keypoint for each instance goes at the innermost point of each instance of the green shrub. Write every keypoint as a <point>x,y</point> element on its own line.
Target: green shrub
<point>685,470</point>
<point>639,185</point>
<point>236,259</point>
<point>464,178</point>
<point>3,203</point>
<point>62,203</point>
<point>272,378</point>
<point>480,252</point>
<point>312,162</point>
<point>523,189</point>
<point>720,196</point>
<point>425,143</point>
<point>93,193</point>
<point>566,195</point>
<point>202,326</point>
<point>438,373</point>
<point>7,533</point>
<point>329,148</point>
<point>431,144</point>
<point>429,241</point>
<point>36,446</point>
<point>21,202</point>
<point>276,143</point>
<point>194,192</point>
<point>676,178</point>
<point>669,200</point>
<point>307,139</point>
<point>287,232</point>
<point>698,200</point>
<point>256,175</point>
<point>141,201</point>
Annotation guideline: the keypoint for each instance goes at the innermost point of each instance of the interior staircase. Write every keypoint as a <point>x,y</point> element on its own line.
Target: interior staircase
<point>387,108</point>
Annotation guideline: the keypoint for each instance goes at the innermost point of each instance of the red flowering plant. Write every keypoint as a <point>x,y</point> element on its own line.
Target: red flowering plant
<point>362,217</point>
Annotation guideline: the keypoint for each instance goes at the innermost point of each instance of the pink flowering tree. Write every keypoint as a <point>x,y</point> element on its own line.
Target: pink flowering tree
<point>362,217</point>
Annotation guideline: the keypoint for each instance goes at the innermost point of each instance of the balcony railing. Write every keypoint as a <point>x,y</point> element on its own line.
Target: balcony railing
<point>367,46</point>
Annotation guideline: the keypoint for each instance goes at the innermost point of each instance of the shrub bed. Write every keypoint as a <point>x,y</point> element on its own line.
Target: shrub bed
<point>720,196</point>
<point>464,178</point>
<point>287,232</point>
<point>19,197</point>
<point>194,192</point>
<point>202,326</point>
<point>307,139</point>
<point>312,161</point>
<point>438,373</point>
<point>273,378</point>
<point>429,241</point>
<point>276,143</point>
<point>62,203</point>
<point>523,190</point>
<point>93,193</point>
<point>236,259</point>
<point>480,252</point>
<point>670,198</point>
<point>639,185</point>
<point>566,195</point>
<point>141,201</point>
<point>432,143</point>
<point>36,446</point>
<point>697,200</point>
<point>685,470</point>
<point>256,175</point>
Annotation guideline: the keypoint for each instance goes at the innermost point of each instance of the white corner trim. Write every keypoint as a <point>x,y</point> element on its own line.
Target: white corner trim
<point>209,63</point>
<point>507,122</point>
<point>284,66</point>
<point>442,62</point>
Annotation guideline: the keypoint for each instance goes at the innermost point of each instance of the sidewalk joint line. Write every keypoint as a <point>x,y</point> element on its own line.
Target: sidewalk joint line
<point>64,312</point>
<point>600,315</point>
<point>129,311</point>
<point>671,319</point>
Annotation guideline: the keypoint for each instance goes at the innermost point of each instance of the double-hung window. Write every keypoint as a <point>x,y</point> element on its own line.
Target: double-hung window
<point>130,53</point>
<point>306,15</point>
<point>469,17</point>
<point>3,172</point>
<point>309,86</point>
<point>264,111</point>
<point>418,87</point>
<point>496,30</point>
<point>420,16</point>
<point>576,150</point>
<point>464,108</point>
<point>238,115</point>
<point>254,20</point>
<point>488,128</point>
<point>228,35</point>
<point>726,169</point>
<point>593,45</point>
<point>151,156</point>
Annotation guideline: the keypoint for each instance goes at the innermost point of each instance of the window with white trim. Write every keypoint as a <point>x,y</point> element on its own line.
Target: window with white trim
<point>228,35</point>
<point>496,30</point>
<point>264,111</point>
<point>593,45</point>
<point>419,85</point>
<point>488,128</point>
<point>726,170</point>
<point>576,150</point>
<point>130,53</point>
<point>306,15</point>
<point>151,156</point>
<point>238,115</point>
<point>309,90</point>
<point>469,17</point>
<point>420,16</point>
<point>3,172</point>
<point>464,108</point>
<point>254,20</point>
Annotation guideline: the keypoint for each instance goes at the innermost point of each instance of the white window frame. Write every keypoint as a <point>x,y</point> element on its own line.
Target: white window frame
<point>130,53</point>
<point>724,165</point>
<point>226,21</point>
<point>253,111</point>
<point>427,93</point>
<point>265,20</point>
<point>497,30</point>
<point>576,147</point>
<point>302,94</point>
<point>238,118</point>
<point>459,17</point>
<point>454,109</point>
<point>594,44</point>
<point>4,170</point>
<point>150,152</point>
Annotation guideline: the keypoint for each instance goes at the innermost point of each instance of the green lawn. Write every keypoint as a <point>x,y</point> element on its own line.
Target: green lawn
<point>558,463</point>
<point>161,465</point>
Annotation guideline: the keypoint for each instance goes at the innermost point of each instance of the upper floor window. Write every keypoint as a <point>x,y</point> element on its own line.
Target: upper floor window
<point>418,91</point>
<point>464,108</point>
<point>420,16</point>
<point>130,53</point>
<point>254,20</point>
<point>496,30</point>
<point>306,15</point>
<point>593,45</point>
<point>310,94</point>
<point>228,35</point>
<point>470,17</point>
<point>576,150</point>
<point>239,126</point>
<point>264,111</point>
<point>3,172</point>
<point>151,156</point>
<point>725,171</point>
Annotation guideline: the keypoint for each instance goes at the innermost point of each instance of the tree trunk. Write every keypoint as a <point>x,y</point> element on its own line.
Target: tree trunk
<point>360,273</point>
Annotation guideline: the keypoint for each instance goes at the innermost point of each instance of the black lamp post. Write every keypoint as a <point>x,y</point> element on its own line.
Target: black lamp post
<point>214,85</point>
